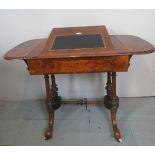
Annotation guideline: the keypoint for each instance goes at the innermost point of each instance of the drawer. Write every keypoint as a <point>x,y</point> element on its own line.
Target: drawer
<point>78,65</point>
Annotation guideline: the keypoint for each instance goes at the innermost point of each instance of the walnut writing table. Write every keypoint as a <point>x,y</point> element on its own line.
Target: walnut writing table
<point>80,50</point>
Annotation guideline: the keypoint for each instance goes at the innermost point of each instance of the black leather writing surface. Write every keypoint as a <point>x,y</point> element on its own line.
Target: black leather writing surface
<point>78,41</point>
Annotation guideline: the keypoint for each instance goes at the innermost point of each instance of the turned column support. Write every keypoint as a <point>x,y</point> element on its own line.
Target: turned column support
<point>57,99</point>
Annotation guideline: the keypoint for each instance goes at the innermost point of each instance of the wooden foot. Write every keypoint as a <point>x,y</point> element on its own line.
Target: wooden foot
<point>49,130</point>
<point>117,134</point>
<point>111,102</point>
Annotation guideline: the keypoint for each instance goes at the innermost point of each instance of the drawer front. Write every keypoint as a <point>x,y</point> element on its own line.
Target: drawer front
<point>77,65</point>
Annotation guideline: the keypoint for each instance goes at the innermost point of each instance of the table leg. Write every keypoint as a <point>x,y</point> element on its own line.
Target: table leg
<point>50,109</point>
<point>57,99</point>
<point>111,101</point>
<point>107,98</point>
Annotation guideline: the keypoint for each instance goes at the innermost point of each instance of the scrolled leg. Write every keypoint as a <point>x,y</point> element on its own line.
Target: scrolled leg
<point>50,109</point>
<point>117,134</point>
<point>111,102</point>
<point>49,130</point>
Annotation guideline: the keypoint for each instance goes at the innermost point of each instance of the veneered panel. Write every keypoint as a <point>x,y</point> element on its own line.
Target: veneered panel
<point>85,65</point>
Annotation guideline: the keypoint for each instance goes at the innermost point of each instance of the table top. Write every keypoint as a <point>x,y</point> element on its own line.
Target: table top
<point>77,41</point>
<point>92,41</point>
